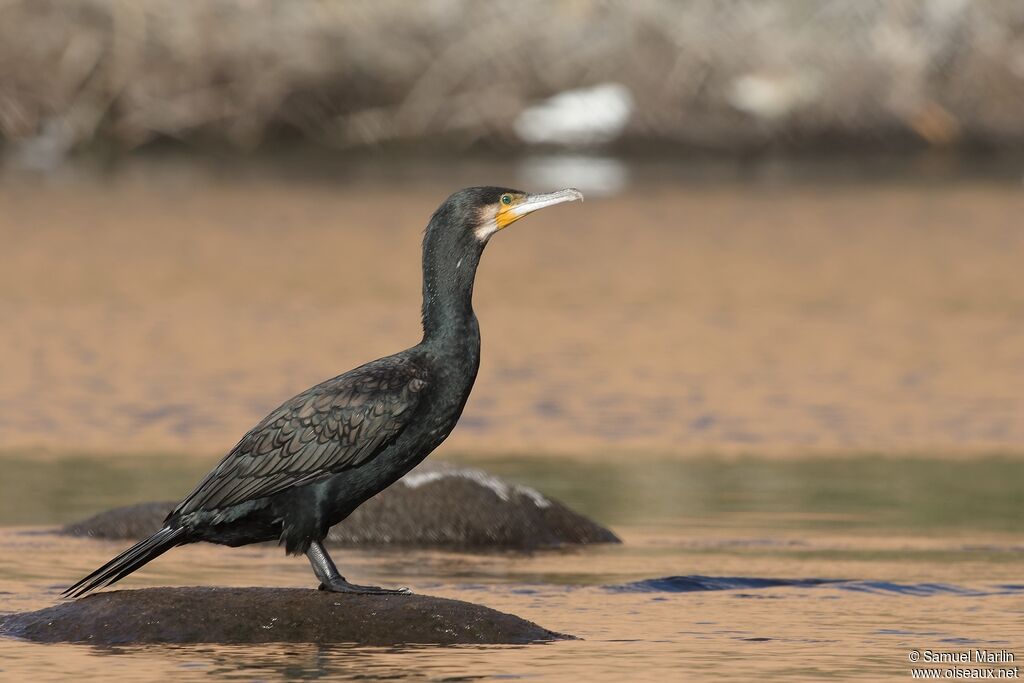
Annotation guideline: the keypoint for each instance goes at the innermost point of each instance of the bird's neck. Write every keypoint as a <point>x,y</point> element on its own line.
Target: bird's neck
<point>448,318</point>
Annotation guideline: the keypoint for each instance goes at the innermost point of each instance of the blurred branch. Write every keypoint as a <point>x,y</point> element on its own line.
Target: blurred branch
<point>727,75</point>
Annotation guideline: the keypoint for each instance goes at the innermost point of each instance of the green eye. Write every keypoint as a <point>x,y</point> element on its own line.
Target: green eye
<point>506,199</point>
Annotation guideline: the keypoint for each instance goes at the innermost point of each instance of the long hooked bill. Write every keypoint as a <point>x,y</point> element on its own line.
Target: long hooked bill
<point>540,201</point>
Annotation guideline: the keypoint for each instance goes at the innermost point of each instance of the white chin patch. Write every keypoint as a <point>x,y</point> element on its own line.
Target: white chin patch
<point>486,229</point>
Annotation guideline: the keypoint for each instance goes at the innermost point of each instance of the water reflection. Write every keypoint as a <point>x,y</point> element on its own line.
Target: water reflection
<point>595,176</point>
<point>697,315</point>
<point>719,557</point>
<point>691,584</point>
<point>849,493</point>
<point>696,312</point>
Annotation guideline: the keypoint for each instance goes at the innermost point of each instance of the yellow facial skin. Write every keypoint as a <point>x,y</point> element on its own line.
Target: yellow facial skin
<point>506,216</point>
<point>512,206</point>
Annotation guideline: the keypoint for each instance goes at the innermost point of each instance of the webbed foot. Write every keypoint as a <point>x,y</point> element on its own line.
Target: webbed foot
<point>332,580</point>
<point>340,585</point>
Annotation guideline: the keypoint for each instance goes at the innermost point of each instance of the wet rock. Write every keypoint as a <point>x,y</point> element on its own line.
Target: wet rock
<point>264,615</point>
<point>444,505</point>
<point>437,505</point>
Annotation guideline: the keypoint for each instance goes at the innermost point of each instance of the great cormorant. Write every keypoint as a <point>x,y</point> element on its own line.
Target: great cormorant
<point>321,454</point>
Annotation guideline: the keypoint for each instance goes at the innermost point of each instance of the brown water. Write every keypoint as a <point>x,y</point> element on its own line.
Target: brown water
<point>700,365</point>
<point>170,309</point>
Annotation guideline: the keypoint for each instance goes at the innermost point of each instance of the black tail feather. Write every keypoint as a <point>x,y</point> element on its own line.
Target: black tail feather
<point>128,561</point>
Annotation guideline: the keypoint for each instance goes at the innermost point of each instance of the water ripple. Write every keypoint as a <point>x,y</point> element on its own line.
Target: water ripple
<point>697,583</point>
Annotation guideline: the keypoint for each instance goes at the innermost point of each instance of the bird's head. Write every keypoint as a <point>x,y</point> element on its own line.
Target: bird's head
<point>501,207</point>
<point>483,211</point>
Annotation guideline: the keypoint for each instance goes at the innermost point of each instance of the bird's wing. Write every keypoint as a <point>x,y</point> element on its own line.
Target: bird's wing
<point>334,426</point>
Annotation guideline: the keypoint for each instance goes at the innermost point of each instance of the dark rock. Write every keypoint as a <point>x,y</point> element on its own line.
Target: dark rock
<point>264,615</point>
<point>435,505</point>
<point>128,522</point>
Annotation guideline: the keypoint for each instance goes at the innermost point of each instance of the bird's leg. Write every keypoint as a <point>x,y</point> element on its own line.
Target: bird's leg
<point>332,580</point>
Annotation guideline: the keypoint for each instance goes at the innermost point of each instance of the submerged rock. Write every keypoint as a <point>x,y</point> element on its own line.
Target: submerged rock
<point>265,615</point>
<point>435,505</point>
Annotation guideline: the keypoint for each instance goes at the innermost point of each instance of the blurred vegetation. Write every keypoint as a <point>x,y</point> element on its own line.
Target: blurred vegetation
<point>726,76</point>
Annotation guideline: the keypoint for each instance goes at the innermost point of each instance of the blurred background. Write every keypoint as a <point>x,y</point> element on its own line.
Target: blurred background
<point>802,231</point>
<point>783,336</point>
<point>736,76</point>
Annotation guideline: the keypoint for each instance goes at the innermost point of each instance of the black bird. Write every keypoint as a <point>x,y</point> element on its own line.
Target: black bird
<point>323,453</point>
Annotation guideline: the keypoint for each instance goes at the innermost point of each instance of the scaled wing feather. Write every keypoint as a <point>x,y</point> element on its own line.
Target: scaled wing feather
<point>339,424</point>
